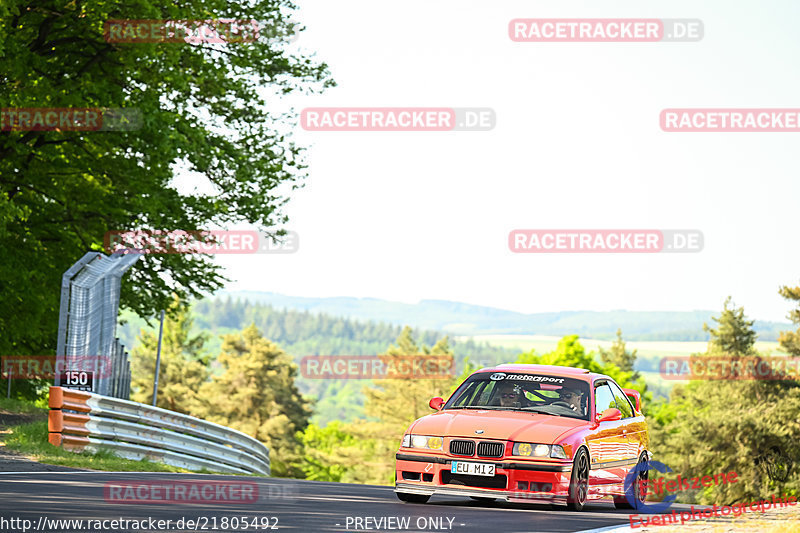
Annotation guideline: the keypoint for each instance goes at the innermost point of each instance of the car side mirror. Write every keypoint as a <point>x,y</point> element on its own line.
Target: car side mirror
<point>635,397</point>
<point>610,415</point>
<point>436,403</point>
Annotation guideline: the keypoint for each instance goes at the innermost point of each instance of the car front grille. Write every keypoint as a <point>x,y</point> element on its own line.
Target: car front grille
<point>464,448</point>
<point>490,449</point>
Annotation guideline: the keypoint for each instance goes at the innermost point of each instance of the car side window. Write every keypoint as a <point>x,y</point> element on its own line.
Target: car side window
<point>623,404</point>
<point>603,398</point>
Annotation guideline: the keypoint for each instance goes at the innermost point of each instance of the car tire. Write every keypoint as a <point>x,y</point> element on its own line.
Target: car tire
<point>413,498</point>
<point>579,482</point>
<point>623,503</point>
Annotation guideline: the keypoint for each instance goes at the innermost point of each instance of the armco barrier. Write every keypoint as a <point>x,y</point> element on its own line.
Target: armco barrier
<point>86,421</point>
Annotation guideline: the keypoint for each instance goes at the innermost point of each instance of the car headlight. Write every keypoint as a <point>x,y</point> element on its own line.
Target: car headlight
<point>422,441</point>
<point>529,449</point>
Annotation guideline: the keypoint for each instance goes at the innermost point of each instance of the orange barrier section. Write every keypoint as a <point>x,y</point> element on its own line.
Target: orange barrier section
<point>61,422</point>
<point>68,430</point>
<point>61,398</point>
<point>68,442</point>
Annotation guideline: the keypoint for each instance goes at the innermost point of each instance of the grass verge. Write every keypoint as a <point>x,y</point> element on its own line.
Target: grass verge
<point>31,440</point>
<point>12,405</point>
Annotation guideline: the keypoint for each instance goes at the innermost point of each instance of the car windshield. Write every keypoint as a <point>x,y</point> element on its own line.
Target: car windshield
<point>536,393</point>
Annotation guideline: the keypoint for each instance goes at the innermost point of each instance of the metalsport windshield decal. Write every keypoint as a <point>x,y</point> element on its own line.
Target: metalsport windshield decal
<point>497,376</point>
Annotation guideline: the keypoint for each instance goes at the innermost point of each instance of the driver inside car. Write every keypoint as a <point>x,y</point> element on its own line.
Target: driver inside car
<point>508,395</point>
<point>572,398</point>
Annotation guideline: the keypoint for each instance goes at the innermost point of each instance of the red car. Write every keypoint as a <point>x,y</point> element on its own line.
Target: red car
<point>527,433</point>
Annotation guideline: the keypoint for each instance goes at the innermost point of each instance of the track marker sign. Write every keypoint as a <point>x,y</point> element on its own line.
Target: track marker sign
<point>78,380</point>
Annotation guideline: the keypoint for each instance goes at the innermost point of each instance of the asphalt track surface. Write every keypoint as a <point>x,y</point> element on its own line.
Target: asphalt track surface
<point>295,505</point>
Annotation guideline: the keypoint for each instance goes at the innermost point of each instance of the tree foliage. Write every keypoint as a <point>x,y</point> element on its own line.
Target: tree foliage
<point>709,427</point>
<point>314,333</point>
<point>570,352</point>
<point>257,395</point>
<point>303,333</point>
<point>619,355</point>
<point>398,402</point>
<point>205,112</point>
<point>790,340</point>
<point>183,368</point>
<point>330,453</point>
<point>395,403</point>
<point>391,405</point>
<point>734,334</point>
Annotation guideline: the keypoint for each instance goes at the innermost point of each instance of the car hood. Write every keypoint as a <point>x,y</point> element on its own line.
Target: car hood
<point>501,425</point>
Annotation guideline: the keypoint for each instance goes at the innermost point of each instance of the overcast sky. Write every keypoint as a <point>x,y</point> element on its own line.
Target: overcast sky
<point>426,215</point>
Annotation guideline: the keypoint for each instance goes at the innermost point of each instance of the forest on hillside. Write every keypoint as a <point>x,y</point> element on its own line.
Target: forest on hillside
<point>463,319</point>
<point>302,333</point>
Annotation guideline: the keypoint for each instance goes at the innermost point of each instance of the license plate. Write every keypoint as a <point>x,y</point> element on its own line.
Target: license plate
<point>475,469</point>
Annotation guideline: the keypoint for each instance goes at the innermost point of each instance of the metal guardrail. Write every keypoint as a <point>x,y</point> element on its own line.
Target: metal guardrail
<point>81,421</point>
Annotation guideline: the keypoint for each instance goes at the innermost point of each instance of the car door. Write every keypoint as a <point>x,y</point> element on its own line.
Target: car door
<point>629,428</point>
<point>608,445</point>
<point>633,429</point>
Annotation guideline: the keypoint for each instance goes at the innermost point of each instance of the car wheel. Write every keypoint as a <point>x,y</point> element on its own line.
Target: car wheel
<point>639,494</point>
<point>482,499</point>
<point>579,482</point>
<point>413,498</point>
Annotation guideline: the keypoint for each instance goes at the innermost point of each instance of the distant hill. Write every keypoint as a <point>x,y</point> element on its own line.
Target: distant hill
<point>353,326</point>
<point>302,333</point>
<point>466,319</point>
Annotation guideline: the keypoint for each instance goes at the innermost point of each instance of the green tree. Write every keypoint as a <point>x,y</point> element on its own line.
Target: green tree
<point>570,352</point>
<point>330,453</point>
<point>709,427</point>
<point>722,426</point>
<point>619,355</point>
<point>395,403</point>
<point>790,340</point>
<point>398,402</point>
<point>734,335</point>
<point>366,455</point>
<point>256,394</point>
<point>183,367</point>
<point>61,191</point>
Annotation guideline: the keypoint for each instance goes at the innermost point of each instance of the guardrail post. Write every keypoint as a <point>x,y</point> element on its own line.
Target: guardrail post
<point>158,358</point>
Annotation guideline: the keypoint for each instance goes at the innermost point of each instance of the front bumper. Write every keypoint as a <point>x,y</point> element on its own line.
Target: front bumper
<point>514,480</point>
<point>506,495</point>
